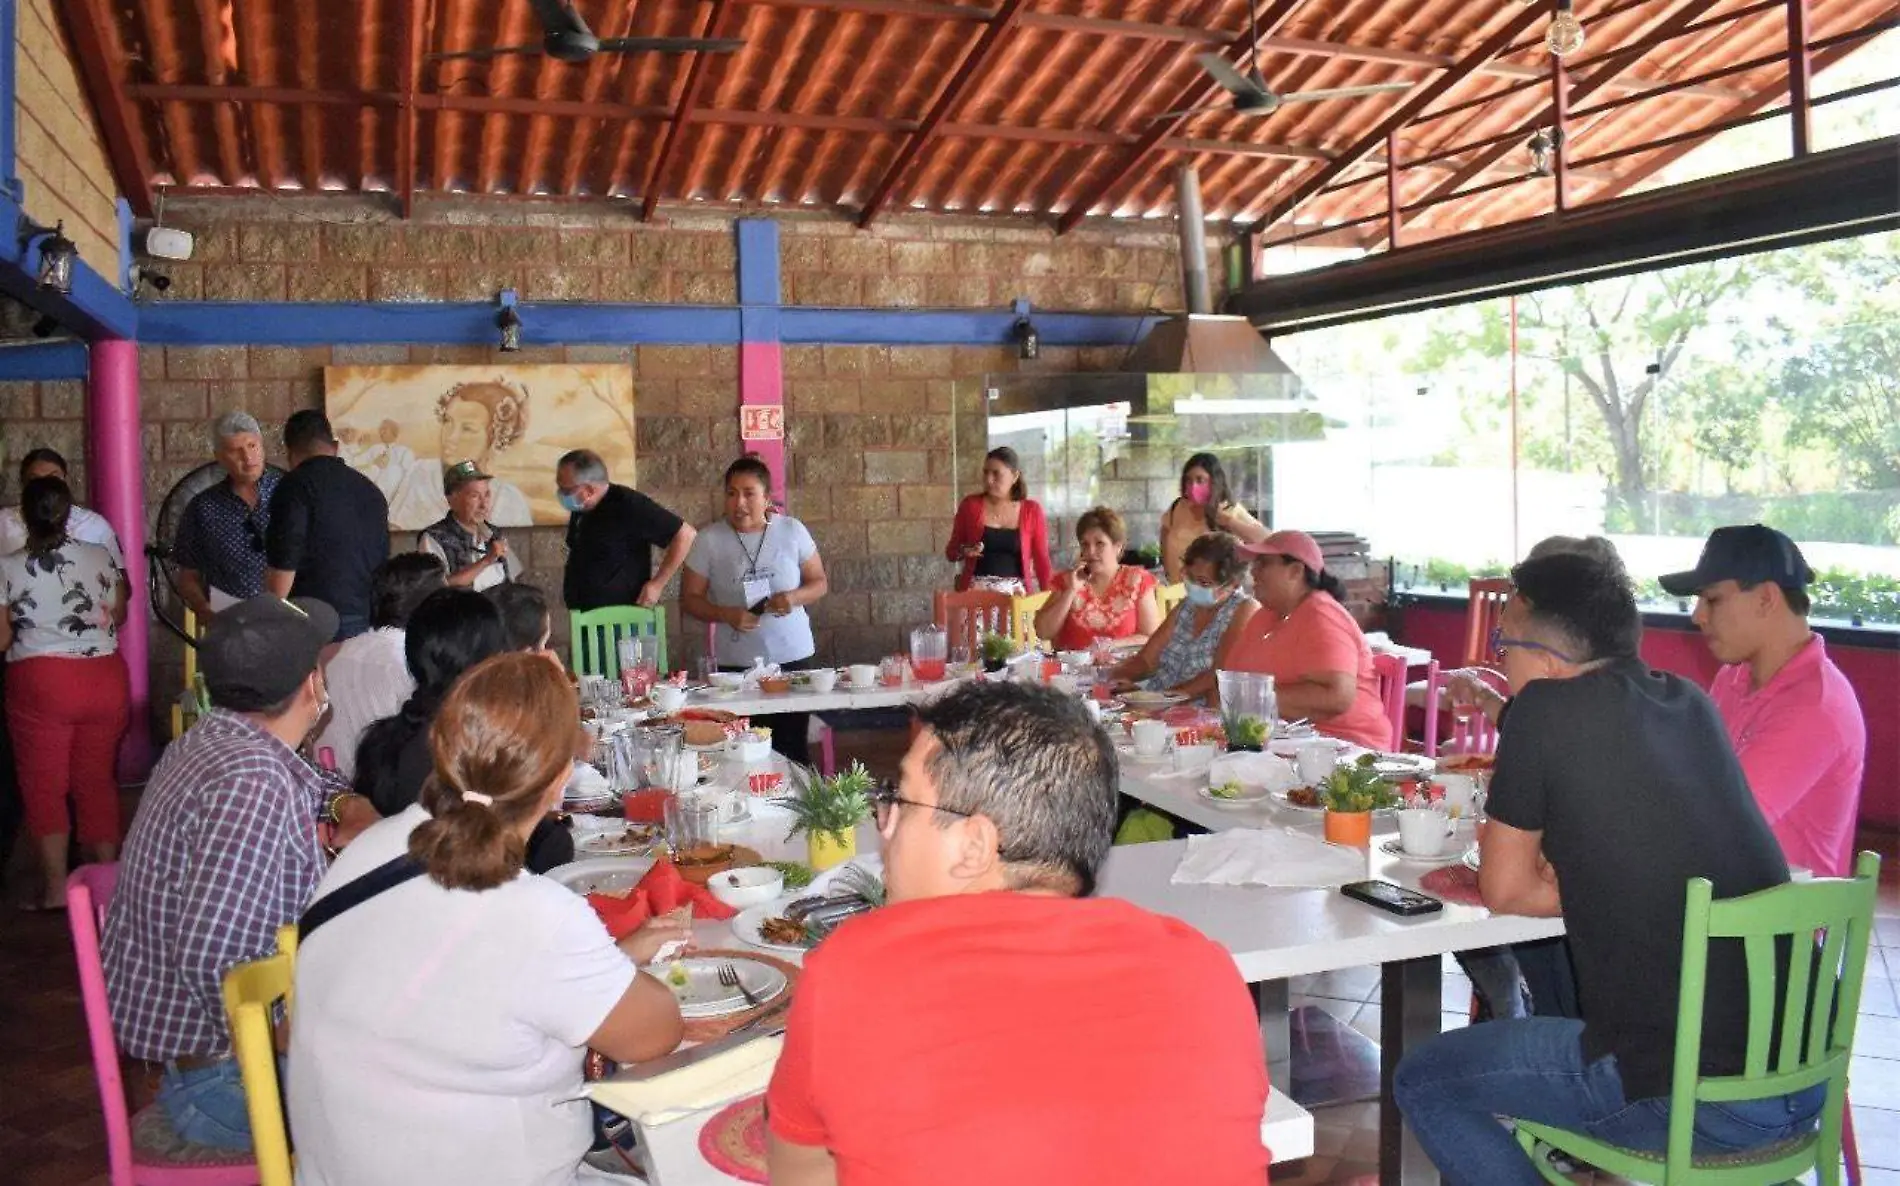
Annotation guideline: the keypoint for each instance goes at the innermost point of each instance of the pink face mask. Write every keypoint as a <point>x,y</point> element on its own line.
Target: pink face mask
<point>1198,491</point>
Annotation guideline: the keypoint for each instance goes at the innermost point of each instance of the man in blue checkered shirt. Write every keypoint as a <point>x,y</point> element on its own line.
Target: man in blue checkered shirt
<point>223,851</point>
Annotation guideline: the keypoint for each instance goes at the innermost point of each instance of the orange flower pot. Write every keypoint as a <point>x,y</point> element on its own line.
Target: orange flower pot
<point>1349,827</point>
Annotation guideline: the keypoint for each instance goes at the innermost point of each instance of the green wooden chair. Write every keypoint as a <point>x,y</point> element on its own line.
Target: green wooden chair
<point>594,635</point>
<point>1835,914</point>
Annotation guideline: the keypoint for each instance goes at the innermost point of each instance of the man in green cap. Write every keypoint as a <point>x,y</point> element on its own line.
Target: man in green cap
<point>475,552</point>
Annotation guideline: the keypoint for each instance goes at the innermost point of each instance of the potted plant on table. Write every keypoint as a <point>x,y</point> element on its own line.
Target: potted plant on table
<point>997,649</point>
<point>1350,795</point>
<point>828,811</point>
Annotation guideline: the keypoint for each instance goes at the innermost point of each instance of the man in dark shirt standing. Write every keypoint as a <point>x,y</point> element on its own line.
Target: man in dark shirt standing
<point>329,527</point>
<point>220,542</point>
<point>610,538</point>
<point>1614,786</point>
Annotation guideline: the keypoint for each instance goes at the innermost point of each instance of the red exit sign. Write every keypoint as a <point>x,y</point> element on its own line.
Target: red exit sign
<point>762,422</point>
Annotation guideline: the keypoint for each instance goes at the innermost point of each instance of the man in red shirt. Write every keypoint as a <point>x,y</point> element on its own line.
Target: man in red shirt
<point>993,1023</point>
<point>1790,713</point>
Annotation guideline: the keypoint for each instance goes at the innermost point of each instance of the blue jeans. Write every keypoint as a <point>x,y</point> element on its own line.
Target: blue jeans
<point>1453,1088</point>
<point>205,1105</point>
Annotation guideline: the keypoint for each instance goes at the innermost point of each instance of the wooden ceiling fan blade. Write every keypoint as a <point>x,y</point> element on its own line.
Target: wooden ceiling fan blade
<point>494,51</point>
<point>1224,72</point>
<point>1346,92</point>
<point>672,45</point>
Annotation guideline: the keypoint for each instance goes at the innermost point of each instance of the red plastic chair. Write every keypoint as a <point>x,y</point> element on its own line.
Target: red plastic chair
<point>132,1141</point>
<point>1488,595</point>
<point>967,617</point>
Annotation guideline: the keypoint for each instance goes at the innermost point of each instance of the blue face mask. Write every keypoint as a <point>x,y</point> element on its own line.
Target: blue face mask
<point>572,502</point>
<point>1199,596</point>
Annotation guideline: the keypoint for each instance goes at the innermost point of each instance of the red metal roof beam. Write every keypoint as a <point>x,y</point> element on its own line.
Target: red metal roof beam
<point>682,115</point>
<point>974,68</point>
<point>408,64</point>
<point>85,27</point>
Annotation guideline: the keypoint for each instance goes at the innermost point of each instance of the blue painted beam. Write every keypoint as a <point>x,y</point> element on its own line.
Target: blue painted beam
<point>43,362</point>
<point>758,261</point>
<point>9,86</point>
<point>211,323</point>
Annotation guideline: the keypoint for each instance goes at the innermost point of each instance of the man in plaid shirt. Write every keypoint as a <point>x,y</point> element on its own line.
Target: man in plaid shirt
<point>222,852</point>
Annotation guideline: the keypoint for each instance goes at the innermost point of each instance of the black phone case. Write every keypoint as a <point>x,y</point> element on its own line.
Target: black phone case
<point>1410,904</point>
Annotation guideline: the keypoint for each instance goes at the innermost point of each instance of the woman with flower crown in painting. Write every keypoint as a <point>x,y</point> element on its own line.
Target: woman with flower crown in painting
<point>477,421</point>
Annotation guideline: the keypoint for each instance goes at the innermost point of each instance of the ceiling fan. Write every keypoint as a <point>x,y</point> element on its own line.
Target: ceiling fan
<point>568,39</point>
<point>1249,90</point>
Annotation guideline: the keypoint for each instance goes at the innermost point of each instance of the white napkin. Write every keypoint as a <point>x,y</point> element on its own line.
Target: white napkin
<point>1249,856</point>
<point>585,783</point>
<point>742,1071</point>
<point>1253,770</point>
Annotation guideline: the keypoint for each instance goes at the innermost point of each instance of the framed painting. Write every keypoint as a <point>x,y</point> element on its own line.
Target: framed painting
<point>402,426</point>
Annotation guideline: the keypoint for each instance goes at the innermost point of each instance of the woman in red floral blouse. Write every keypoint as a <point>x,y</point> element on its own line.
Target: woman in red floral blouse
<point>1100,597</point>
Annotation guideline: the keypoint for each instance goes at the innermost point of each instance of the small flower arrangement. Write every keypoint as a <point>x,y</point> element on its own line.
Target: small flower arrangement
<point>997,649</point>
<point>1245,732</point>
<point>832,806</point>
<point>1356,788</point>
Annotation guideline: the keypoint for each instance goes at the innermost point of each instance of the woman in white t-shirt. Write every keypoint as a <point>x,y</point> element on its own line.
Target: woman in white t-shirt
<point>440,1025</point>
<point>62,602</point>
<point>752,574</point>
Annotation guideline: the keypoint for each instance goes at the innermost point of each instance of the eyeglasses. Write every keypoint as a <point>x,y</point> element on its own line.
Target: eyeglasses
<point>1501,644</point>
<point>254,535</point>
<point>885,801</point>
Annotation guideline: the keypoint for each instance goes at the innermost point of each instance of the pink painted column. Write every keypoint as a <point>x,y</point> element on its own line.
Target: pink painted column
<point>115,475</point>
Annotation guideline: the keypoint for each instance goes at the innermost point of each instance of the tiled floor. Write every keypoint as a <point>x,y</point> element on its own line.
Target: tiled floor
<point>51,1133</point>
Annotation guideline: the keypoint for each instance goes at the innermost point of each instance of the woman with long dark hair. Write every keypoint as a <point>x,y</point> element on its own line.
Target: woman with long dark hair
<point>62,602</point>
<point>1206,504</point>
<point>451,631</point>
<point>1001,538</point>
<point>441,1024</point>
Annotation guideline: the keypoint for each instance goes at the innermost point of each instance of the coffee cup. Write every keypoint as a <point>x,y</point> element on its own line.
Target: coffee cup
<point>1151,738</point>
<point>861,675</point>
<point>823,680</point>
<point>1315,762</point>
<point>1460,791</point>
<point>1422,831</point>
<point>667,698</point>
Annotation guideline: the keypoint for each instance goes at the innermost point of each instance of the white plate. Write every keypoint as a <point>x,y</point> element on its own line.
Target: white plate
<point>1151,699</point>
<point>746,924</point>
<point>602,875</point>
<point>1248,797</point>
<point>1393,765</point>
<point>1392,848</point>
<point>1129,753</point>
<point>1280,798</point>
<point>1471,858</point>
<point>1287,747</point>
<point>703,996</point>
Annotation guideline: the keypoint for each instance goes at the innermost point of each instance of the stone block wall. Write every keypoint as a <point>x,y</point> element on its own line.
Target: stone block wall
<point>61,162</point>
<point>36,415</point>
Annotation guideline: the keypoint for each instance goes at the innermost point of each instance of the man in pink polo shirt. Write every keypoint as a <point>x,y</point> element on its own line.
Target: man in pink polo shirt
<point>1791,714</point>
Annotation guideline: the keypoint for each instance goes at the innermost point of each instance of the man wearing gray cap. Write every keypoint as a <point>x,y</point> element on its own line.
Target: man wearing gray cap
<point>223,851</point>
<point>220,542</point>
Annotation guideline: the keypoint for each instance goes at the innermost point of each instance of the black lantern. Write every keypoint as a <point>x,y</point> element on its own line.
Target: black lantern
<point>57,255</point>
<point>1028,341</point>
<point>509,322</point>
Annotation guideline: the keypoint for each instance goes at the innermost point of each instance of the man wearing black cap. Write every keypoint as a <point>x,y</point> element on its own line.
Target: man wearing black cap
<point>1791,714</point>
<point>329,527</point>
<point>223,851</point>
<point>475,552</point>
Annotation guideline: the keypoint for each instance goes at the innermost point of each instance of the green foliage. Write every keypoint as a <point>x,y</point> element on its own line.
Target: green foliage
<point>1356,787</point>
<point>830,806</point>
<point>997,648</point>
<point>1245,731</point>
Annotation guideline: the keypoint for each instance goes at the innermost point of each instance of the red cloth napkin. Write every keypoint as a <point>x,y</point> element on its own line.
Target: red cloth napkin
<point>661,890</point>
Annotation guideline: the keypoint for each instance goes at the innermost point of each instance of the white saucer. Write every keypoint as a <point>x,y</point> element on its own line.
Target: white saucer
<point>1391,848</point>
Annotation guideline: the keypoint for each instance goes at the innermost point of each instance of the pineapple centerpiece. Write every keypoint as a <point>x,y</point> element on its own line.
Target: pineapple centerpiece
<point>828,811</point>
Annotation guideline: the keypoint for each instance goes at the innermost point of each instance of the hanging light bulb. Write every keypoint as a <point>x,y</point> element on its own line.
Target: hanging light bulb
<point>1566,32</point>
<point>1543,149</point>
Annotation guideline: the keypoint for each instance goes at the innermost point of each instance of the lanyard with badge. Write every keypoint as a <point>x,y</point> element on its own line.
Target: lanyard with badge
<point>754,590</point>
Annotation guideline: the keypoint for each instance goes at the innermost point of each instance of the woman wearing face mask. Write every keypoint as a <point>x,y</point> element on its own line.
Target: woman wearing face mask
<point>1100,597</point>
<point>1001,537</point>
<point>1194,642</point>
<point>1206,504</point>
<point>752,575</point>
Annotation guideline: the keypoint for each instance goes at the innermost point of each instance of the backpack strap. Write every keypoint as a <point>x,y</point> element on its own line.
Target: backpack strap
<point>386,876</point>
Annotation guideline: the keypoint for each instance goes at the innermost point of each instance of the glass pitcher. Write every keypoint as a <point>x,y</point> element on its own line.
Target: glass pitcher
<point>655,758</point>
<point>639,656</point>
<point>1247,708</point>
<point>929,652</point>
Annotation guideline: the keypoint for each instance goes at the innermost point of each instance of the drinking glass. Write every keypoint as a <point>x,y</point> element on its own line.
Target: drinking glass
<point>655,753</point>
<point>639,664</point>
<point>890,672</point>
<point>690,823</point>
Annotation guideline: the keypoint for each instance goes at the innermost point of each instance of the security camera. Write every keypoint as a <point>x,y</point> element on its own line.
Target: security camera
<point>163,242</point>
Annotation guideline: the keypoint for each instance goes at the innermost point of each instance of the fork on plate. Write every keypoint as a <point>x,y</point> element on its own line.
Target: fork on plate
<point>729,977</point>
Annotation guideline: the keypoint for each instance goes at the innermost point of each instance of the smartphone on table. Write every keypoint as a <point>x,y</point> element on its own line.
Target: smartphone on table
<point>1394,899</point>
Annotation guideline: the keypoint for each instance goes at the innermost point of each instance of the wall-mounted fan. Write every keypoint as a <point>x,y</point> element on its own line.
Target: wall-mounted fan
<point>1250,94</point>
<point>568,39</point>
<point>162,573</point>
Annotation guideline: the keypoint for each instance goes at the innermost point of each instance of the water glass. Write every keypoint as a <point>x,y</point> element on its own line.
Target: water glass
<point>639,664</point>
<point>691,823</point>
<point>655,754</point>
<point>890,672</point>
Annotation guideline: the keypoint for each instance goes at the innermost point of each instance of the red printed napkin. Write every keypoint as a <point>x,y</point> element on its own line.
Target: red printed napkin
<point>661,890</point>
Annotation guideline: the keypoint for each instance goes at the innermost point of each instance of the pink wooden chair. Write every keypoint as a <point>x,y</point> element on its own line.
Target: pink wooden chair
<point>141,1150</point>
<point>1471,731</point>
<point>1390,670</point>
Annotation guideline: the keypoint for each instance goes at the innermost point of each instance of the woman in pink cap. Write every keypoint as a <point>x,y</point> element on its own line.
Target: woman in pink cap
<point>1308,642</point>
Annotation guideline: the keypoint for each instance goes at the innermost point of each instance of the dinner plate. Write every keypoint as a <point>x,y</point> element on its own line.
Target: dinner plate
<point>1248,797</point>
<point>1280,798</point>
<point>619,838</point>
<point>1287,747</point>
<point>1393,847</point>
<point>747,923</point>
<point>1404,765</point>
<point>1151,699</point>
<point>703,996</point>
<point>1471,858</point>
<point>602,875</point>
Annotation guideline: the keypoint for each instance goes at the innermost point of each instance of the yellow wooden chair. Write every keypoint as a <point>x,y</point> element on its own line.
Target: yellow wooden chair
<point>1169,596</point>
<point>251,990</point>
<point>1022,620</point>
<point>181,719</point>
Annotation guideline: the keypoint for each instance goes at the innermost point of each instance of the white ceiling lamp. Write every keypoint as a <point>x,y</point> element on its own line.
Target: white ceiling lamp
<point>1566,31</point>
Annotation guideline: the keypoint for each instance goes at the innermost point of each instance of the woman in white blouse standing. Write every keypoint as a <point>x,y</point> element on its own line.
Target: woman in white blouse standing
<point>67,695</point>
<point>440,1024</point>
<point>752,574</point>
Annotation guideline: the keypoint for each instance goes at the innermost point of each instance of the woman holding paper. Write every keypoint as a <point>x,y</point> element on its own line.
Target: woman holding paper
<point>440,1024</point>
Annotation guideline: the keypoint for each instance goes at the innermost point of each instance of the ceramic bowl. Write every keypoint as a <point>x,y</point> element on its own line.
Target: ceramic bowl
<point>727,681</point>
<point>823,680</point>
<point>739,888</point>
